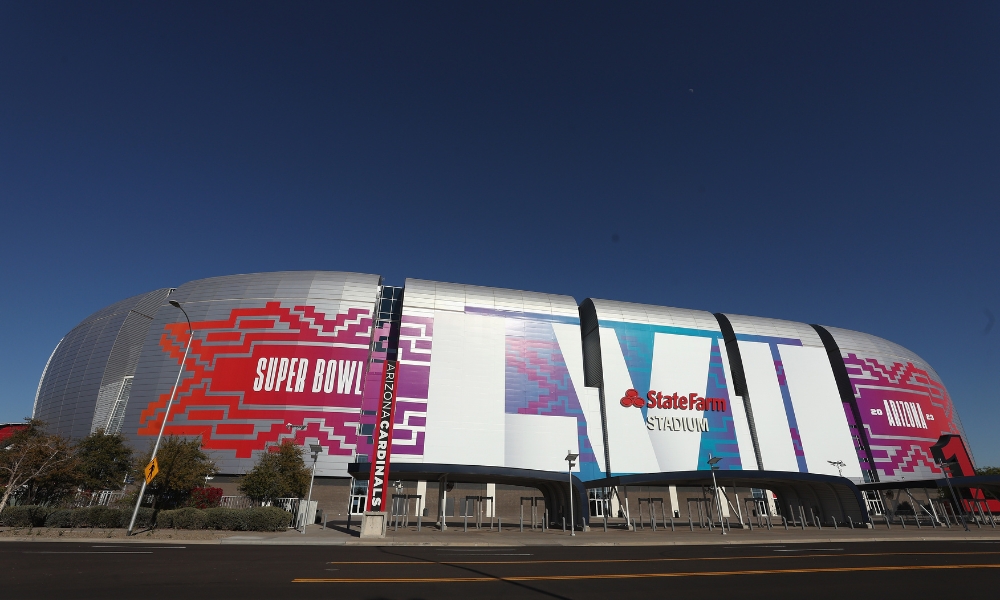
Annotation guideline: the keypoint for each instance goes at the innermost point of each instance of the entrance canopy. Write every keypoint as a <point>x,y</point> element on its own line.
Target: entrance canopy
<point>553,486</point>
<point>828,495</point>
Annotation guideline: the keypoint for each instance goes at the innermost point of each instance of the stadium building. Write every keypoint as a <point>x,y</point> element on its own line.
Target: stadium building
<point>493,388</point>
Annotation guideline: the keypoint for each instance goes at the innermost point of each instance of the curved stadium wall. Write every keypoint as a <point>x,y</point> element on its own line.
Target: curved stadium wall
<point>495,378</point>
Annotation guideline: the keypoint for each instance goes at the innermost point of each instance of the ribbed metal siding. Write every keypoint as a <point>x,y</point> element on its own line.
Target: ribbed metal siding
<point>68,392</point>
<point>125,355</point>
<point>214,299</point>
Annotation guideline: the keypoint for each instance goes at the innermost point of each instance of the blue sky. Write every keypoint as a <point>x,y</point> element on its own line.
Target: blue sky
<point>833,164</point>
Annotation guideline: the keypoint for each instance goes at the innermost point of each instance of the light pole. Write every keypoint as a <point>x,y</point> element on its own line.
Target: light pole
<point>571,459</point>
<point>714,464</point>
<point>166,415</point>
<point>839,464</point>
<point>316,449</point>
<point>946,466</point>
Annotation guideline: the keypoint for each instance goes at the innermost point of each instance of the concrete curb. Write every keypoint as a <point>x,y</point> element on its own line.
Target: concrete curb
<point>248,540</point>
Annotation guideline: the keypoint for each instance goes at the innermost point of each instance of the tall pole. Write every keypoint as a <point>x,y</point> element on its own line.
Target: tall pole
<point>571,460</point>
<point>311,480</point>
<point>713,464</point>
<point>166,415</point>
<point>572,522</point>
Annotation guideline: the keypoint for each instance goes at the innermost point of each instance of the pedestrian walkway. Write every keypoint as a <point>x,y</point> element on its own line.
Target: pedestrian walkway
<point>431,535</point>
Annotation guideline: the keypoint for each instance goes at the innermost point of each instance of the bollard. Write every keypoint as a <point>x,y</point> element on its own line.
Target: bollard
<point>850,522</point>
<point>802,517</point>
<point>690,522</point>
<point>499,525</point>
<point>465,524</point>
<point>817,522</point>
<point>750,522</point>
<point>902,521</point>
<point>564,524</point>
<point>672,524</point>
<point>652,518</point>
<point>916,518</point>
<point>834,519</point>
<point>420,517</point>
<point>887,525</point>
<point>545,523</point>
<point>522,523</point>
<point>605,523</point>
<point>785,521</point>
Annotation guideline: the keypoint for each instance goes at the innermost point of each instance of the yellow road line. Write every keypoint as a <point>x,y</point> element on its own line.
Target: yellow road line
<point>639,560</point>
<point>643,575</point>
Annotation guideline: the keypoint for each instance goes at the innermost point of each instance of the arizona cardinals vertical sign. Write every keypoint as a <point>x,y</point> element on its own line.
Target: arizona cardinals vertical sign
<point>383,446</point>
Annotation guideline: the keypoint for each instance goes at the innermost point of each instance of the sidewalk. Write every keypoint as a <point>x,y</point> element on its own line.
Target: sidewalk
<point>618,536</point>
<point>512,536</point>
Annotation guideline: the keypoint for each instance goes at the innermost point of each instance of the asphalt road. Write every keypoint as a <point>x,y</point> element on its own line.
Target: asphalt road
<point>828,570</point>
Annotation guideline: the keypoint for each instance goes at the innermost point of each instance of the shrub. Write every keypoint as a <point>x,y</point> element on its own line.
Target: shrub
<point>60,518</point>
<point>268,518</point>
<point>99,516</point>
<point>230,519</point>
<point>182,518</point>
<point>206,497</point>
<point>24,516</point>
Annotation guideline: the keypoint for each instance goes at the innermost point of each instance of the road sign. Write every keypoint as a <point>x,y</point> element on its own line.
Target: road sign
<point>151,470</point>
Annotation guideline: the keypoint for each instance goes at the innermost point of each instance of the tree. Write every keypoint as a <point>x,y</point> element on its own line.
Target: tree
<point>279,473</point>
<point>30,455</point>
<point>103,461</point>
<point>988,471</point>
<point>183,467</point>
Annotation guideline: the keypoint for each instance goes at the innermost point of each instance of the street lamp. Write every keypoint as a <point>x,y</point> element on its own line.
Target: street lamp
<point>315,449</point>
<point>839,464</point>
<point>571,459</point>
<point>714,464</point>
<point>166,415</point>
<point>946,466</point>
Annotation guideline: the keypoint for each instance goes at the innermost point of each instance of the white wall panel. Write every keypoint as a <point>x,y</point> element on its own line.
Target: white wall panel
<point>571,346</point>
<point>680,364</point>
<point>630,453</point>
<point>770,420</point>
<point>819,411</point>
<point>740,420</point>
<point>540,442</point>
<point>465,406</point>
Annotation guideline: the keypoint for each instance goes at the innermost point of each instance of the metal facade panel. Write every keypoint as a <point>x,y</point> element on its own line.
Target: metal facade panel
<point>775,328</point>
<point>292,321</point>
<point>629,312</point>
<point>68,391</point>
<point>903,404</point>
<point>488,352</point>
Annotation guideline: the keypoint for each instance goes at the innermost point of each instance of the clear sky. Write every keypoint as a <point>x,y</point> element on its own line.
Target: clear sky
<point>831,163</point>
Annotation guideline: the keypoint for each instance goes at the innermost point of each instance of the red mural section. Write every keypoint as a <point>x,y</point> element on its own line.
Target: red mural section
<point>248,376</point>
<point>905,411</point>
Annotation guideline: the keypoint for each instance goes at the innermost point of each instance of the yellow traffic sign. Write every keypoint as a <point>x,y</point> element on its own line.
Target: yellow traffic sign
<point>151,470</point>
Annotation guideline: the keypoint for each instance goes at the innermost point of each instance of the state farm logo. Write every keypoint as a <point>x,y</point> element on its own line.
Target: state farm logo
<point>656,399</point>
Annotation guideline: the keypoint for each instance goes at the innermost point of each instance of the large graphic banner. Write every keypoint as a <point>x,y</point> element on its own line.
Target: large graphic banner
<point>904,410</point>
<point>383,446</point>
<point>266,374</point>
<point>668,399</point>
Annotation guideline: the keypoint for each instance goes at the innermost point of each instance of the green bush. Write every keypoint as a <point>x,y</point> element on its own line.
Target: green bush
<point>99,517</point>
<point>268,518</point>
<point>182,518</point>
<point>228,519</point>
<point>60,518</point>
<point>24,516</point>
